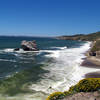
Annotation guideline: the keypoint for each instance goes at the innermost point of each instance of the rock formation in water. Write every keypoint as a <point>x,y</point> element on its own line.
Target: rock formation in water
<point>28,46</point>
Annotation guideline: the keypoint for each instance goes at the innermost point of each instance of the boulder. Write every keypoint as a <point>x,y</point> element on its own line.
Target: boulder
<point>92,53</point>
<point>29,45</point>
<point>16,49</point>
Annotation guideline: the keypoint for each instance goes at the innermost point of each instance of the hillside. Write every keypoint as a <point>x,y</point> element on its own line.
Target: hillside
<point>94,37</point>
<point>82,37</point>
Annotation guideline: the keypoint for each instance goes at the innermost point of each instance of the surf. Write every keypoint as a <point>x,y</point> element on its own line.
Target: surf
<point>61,67</point>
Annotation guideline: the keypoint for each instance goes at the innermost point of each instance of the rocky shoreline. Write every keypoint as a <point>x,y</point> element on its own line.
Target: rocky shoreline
<point>92,60</point>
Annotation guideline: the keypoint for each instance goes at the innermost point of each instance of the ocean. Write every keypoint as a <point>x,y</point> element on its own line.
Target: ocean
<point>34,75</point>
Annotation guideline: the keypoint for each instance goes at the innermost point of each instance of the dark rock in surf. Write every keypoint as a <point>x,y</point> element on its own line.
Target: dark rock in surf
<point>92,53</point>
<point>16,49</point>
<point>29,45</point>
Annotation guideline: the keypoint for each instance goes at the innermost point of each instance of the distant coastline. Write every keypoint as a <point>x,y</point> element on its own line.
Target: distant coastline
<point>93,55</point>
<point>82,37</point>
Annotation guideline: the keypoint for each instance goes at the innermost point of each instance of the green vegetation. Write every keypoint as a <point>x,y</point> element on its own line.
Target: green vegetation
<point>56,96</point>
<point>85,85</point>
<point>88,37</point>
<point>96,46</point>
<point>18,83</point>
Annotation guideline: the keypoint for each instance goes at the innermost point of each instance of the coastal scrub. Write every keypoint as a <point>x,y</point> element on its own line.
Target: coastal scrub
<point>85,85</point>
<point>56,96</point>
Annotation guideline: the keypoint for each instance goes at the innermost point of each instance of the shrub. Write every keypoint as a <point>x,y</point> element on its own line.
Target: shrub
<point>67,93</point>
<point>56,96</point>
<point>85,85</point>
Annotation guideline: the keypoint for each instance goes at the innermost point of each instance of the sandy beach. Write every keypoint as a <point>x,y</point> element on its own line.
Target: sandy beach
<point>92,62</point>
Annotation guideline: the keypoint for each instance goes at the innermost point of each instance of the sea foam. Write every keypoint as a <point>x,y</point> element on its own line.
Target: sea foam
<point>65,71</point>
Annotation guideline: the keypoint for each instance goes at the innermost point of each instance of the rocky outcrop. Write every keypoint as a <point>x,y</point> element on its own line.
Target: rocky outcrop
<point>92,53</point>
<point>29,45</point>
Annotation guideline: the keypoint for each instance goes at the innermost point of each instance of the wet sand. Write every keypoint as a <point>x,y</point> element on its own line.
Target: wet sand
<point>93,75</point>
<point>92,62</point>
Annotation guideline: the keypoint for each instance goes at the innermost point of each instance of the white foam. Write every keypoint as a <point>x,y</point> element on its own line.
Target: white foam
<point>65,71</point>
<point>9,50</point>
<point>7,60</point>
<point>59,47</point>
<point>19,51</point>
<point>53,54</point>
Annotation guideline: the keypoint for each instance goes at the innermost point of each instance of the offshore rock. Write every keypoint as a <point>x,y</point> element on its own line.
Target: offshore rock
<point>29,45</point>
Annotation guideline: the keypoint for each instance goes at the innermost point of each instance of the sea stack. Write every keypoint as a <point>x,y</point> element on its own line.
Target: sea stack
<point>29,45</point>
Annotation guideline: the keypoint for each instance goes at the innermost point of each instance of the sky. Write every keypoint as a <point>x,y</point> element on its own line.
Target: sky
<point>49,17</point>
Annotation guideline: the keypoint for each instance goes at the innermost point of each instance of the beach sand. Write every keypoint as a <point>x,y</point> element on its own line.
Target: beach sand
<point>92,62</point>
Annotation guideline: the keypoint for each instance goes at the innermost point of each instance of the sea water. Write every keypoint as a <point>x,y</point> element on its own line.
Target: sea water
<point>55,67</point>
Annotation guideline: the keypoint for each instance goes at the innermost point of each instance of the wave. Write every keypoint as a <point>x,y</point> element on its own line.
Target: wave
<point>61,48</point>
<point>53,53</point>
<point>19,51</point>
<point>7,60</point>
<point>65,71</point>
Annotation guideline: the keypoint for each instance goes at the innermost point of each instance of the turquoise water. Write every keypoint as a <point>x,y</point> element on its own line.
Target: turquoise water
<point>34,72</point>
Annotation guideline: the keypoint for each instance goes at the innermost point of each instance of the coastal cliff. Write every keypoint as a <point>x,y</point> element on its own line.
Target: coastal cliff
<point>82,37</point>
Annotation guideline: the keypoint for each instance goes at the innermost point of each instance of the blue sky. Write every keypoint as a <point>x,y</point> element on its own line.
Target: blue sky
<point>49,17</point>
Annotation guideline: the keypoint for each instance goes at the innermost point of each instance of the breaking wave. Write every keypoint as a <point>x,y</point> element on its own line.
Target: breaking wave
<point>65,71</point>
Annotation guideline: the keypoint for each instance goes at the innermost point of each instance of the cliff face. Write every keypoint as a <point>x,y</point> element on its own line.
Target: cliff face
<point>94,37</point>
<point>95,49</point>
